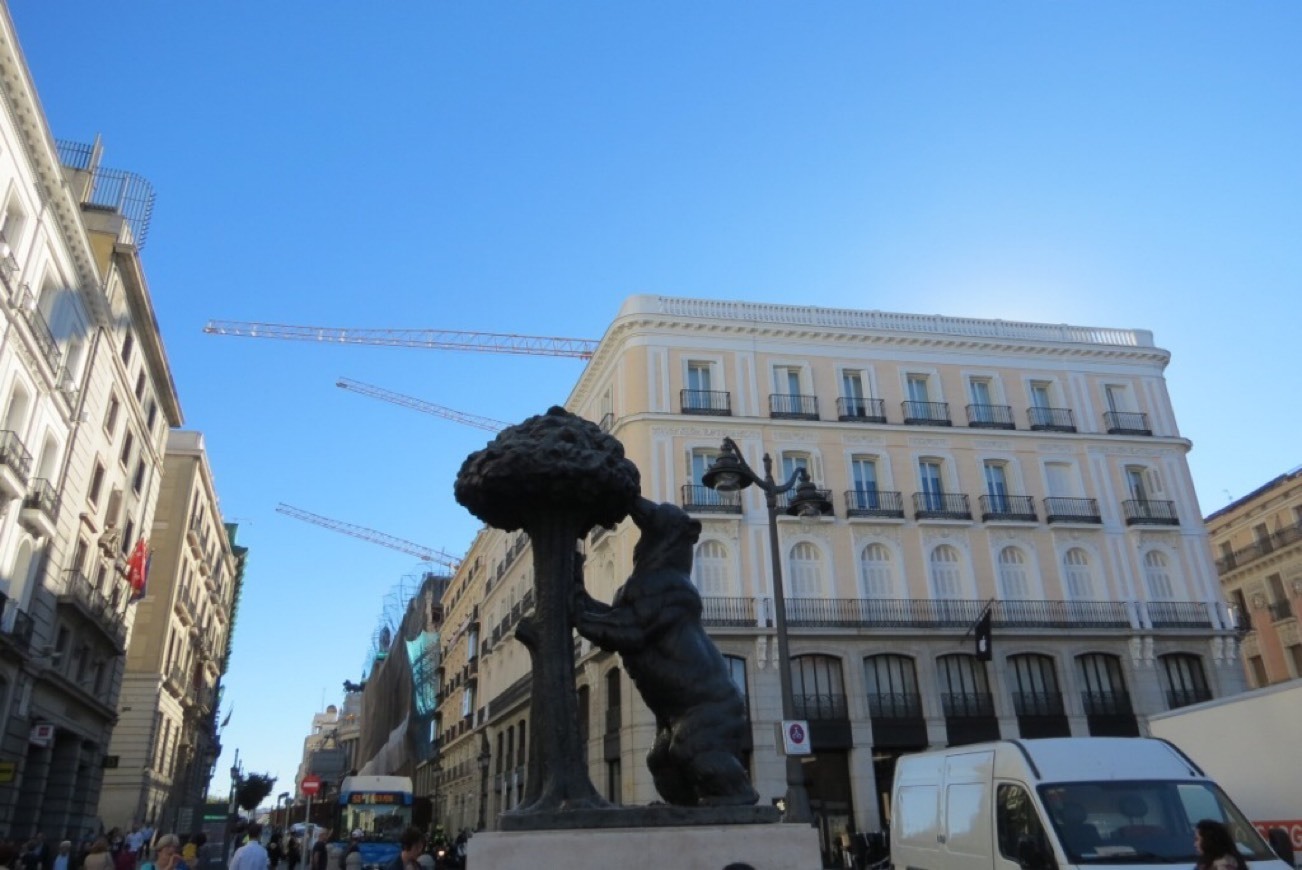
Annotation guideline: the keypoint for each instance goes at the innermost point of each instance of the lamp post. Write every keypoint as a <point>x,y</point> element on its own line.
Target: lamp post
<point>730,473</point>
<point>282,809</point>
<point>230,813</point>
<point>483,758</point>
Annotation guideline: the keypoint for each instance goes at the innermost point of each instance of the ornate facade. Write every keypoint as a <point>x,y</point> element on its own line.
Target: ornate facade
<point>1034,468</point>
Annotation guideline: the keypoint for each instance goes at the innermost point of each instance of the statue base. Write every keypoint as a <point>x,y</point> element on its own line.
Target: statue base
<point>658,816</point>
<point>682,847</point>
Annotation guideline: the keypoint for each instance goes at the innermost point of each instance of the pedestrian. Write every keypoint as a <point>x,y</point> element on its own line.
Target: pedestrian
<point>413,844</point>
<point>274,851</point>
<point>320,858</point>
<point>1216,849</point>
<point>293,854</point>
<point>353,855</point>
<point>251,856</point>
<point>167,854</point>
<point>98,858</point>
<point>63,860</point>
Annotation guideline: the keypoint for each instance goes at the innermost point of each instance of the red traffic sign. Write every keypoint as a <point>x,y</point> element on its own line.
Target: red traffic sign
<point>310,785</point>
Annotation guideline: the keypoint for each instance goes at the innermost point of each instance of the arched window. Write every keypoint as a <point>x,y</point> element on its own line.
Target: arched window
<point>819,687</point>
<point>1077,578</point>
<point>876,578</point>
<point>1035,690</point>
<point>1157,576</point>
<point>946,573</point>
<point>964,686</point>
<point>1184,680</point>
<point>16,412</point>
<point>806,571</point>
<point>710,569</point>
<point>1013,584</point>
<point>1104,685</point>
<point>892,684</point>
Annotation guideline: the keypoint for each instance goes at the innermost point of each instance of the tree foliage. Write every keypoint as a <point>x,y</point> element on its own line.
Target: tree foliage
<point>253,789</point>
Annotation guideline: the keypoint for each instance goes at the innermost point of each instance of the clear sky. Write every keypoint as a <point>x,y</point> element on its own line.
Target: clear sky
<point>523,167</point>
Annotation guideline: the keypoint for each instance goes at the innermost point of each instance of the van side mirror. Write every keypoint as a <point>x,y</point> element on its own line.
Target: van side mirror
<point>1031,854</point>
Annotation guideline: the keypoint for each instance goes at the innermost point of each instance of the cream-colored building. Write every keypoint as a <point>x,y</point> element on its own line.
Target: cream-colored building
<point>86,399</point>
<point>1257,542</point>
<point>165,743</point>
<point>1036,466</point>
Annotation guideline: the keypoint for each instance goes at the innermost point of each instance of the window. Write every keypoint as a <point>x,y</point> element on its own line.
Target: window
<point>1013,584</point>
<point>786,380</point>
<point>916,387</point>
<point>964,686</point>
<point>1040,395</point>
<point>140,386</point>
<point>701,459</point>
<point>1035,690</point>
<point>79,555</point>
<point>946,573</point>
<point>698,376</point>
<point>1103,685</point>
<point>138,479</point>
<point>892,684</point>
<point>151,414</point>
<point>876,577</point>
<point>1184,679</point>
<point>111,415</point>
<point>1258,667</point>
<point>863,471</point>
<point>996,475</point>
<point>819,687</point>
<point>1294,652</point>
<point>710,569</point>
<point>979,390</point>
<point>806,571</point>
<point>1078,580</point>
<point>737,671</point>
<point>128,343</point>
<point>1016,822</point>
<point>933,487</point>
<point>792,461</point>
<point>128,443</point>
<point>1118,397</point>
<point>127,532</point>
<point>1157,576</point>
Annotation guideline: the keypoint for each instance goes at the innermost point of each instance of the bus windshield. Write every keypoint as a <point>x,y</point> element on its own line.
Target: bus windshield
<point>1142,822</point>
<point>380,816</point>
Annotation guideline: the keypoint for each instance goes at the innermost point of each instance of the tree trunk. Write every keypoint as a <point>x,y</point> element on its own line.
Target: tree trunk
<point>557,767</point>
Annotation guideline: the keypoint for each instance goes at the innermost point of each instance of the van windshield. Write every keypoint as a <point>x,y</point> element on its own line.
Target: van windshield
<point>1142,822</point>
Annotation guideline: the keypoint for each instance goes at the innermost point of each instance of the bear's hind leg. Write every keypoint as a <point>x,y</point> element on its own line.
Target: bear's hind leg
<point>721,780</point>
<point>670,776</point>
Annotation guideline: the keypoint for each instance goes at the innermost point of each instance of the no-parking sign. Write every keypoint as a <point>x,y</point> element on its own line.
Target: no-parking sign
<point>795,737</point>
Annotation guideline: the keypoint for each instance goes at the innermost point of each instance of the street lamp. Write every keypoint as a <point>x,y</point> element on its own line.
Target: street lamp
<point>730,473</point>
<point>483,758</point>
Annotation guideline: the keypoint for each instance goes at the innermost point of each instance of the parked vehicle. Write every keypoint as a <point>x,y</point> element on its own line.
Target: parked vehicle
<point>1058,803</point>
<point>1252,745</point>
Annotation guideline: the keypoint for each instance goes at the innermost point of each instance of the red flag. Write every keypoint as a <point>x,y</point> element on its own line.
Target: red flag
<point>138,570</point>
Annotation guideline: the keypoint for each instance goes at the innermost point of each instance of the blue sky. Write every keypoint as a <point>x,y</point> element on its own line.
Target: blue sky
<point>523,167</point>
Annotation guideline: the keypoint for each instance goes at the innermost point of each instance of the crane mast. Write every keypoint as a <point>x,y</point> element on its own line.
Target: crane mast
<point>430,339</point>
<point>486,423</point>
<point>425,554</point>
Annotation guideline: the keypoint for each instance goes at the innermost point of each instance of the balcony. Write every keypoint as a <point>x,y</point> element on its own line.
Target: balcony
<point>714,402</point>
<point>874,503</point>
<point>1187,696</point>
<point>699,499</point>
<point>821,707</point>
<point>81,596</point>
<point>15,626</point>
<point>1179,614</point>
<point>1147,512</point>
<point>967,705</point>
<point>990,417</point>
<point>1107,703</point>
<point>40,330</point>
<point>15,465</point>
<point>784,501</point>
<point>793,406</point>
<point>850,409</point>
<point>1072,510</point>
<point>1264,546</point>
<point>1032,704</point>
<point>40,508</point>
<point>953,613</point>
<point>729,612</point>
<point>926,413</point>
<point>941,506</point>
<point>1007,509</point>
<point>1126,423</point>
<point>895,705</point>
<point>1051,419</point>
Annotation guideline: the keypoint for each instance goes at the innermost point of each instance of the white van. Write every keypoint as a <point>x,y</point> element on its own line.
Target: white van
<point>1058,803</point>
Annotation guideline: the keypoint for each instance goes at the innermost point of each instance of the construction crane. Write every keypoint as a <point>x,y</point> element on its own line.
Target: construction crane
<point>430,339</point>
<point>486,423</point>
<point>425,554</point>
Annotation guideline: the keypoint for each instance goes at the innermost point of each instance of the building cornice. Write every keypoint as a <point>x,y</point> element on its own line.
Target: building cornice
<point>127,258</point>
<point>853,331</point>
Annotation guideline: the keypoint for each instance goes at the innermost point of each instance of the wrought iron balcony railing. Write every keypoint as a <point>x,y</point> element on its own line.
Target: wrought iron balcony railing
<point>784,501</point>
<point>1051,419</point>
<point>926,413</point>
<point>716,402</point>
<point>703,500</point>
<point>1107,703</point>
<point>990,417</point>
<point>1149,512</point>
<point>1071,510</point>
<point>793,406</point>
<point>13,455</point>
<point>15,625</point>
<point>1276,540</point>
<point>881,503</point>
<point>1126,423</point>
<point>1184,697</point>
<point>941,506</point>
<point>952,613</point>
<point>1007,508</point>
<point>1038,704</point>
<point>860,410</point>
<point>967,705</point>
<point>821,707</point>
<point>41,333</point>
<point>1179,614</point>
<point>42,497</point>
<point>895,705</point>
<point>724,612</point>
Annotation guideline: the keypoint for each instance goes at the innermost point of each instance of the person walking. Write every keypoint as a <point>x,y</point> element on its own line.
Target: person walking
<point>413,844</point>
<point>98,858</point>
<point>63,860</point>
<point>320,858</point>
<point>293,854</point>
<point>251,856</point>
<point>167,854</point>
<point>275,852</point>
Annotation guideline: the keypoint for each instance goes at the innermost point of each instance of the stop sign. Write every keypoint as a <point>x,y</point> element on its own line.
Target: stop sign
<point>310,785</point>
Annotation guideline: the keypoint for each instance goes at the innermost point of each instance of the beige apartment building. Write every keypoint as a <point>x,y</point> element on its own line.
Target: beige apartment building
<point>165,744</point>
<point>1034,467</point>
<point>86,400</point>
<point>1257,541</point>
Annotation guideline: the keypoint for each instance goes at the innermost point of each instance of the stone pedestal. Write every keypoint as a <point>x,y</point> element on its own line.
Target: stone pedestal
<point>699,847</point>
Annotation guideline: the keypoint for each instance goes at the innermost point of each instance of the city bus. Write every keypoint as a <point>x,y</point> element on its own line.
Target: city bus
<point>381,808</point>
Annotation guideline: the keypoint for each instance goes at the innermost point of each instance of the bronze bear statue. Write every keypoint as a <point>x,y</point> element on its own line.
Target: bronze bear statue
<point>654,623</point>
